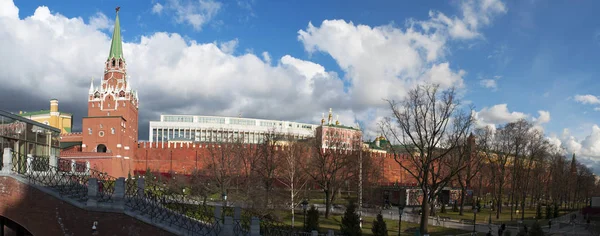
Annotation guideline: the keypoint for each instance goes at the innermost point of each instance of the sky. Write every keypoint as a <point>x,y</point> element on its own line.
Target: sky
<point>293,60</point>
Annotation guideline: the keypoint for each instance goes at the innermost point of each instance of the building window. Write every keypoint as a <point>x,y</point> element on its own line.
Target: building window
<point>89,130</point>
<point>112,130</point>
<point>100,126</point>
<point>101,133</point>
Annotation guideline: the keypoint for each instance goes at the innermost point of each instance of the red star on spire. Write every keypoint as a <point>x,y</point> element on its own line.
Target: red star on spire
<point>117,9</point>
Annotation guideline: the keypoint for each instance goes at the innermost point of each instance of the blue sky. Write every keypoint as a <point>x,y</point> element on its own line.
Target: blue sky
<point>530,55</point>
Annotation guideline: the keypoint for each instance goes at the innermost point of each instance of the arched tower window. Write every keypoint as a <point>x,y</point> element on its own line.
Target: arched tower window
<point>120,63</point>
<point>113,62</point>
<point>101,148</point>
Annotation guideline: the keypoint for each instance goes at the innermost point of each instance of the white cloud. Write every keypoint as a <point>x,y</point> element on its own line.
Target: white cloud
<point>587,99</point>
<point>175,75</point>
<point>587,149</point>
<point>100,21</point>
<point>157,8</point>
<point>195,13</point>
<point>488,83</point>
<point>496,115</point>
<point>229,46</point>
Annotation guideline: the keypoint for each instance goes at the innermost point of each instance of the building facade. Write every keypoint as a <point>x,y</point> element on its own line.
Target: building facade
<point>53,117</point>
<point>190,128</point>
<point>27,137</point>
<point>110,130</point>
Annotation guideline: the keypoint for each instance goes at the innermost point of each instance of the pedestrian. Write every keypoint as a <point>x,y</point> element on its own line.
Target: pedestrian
<point>489,233</point>
<point>587,225</point>
<point>525,229</point>
<point>550,224</point>
<point>500,231</point>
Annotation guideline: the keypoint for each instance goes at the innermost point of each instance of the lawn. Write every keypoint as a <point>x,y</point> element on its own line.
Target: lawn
<point>392,225</point>
<point>484,215</point>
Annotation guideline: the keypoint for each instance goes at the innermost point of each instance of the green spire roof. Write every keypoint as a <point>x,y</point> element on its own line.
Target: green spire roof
<point>116,47</point>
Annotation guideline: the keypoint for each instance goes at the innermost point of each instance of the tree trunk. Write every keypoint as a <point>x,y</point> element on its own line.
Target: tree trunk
<point>462,200</point>
<point>499,209</point>
<point>424,215</point>
<point>327,202</point>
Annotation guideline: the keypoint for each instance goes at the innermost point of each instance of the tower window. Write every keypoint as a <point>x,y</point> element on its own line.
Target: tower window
<point>100,126</point>
<point>113,62</point>
<point>89,130</point>
<point>112,130</point>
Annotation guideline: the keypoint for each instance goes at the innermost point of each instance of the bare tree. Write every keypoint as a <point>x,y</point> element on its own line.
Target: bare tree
<point>292,175</point>
<point>473,161</point>
<point>268,162</point>
<point>328,163</point>
<point>428,125</point>
<point>222,166</point>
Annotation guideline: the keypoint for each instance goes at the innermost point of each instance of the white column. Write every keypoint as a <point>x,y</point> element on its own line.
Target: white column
<point>29,161</point>
<point>7,161</point>
<point>150,137</point>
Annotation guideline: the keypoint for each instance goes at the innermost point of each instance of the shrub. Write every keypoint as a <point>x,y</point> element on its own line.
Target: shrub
<point>312,219</point>
<point>351,221</point>
<point>379,226</point>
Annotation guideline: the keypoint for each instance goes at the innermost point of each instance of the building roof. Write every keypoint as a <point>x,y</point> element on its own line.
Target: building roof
<point>341,126</point>
<point>116,47</point>
<point>22,119</point>
<point>41,112</point>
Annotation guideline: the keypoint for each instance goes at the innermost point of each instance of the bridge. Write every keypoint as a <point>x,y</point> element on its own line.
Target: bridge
<point>52,196</point>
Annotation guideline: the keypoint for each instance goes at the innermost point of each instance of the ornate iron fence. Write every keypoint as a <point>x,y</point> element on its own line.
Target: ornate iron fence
<point>173,209</point>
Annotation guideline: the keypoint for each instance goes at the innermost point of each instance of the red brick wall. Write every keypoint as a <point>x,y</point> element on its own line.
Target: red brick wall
<point>42,214</point>
<point>183,158</point>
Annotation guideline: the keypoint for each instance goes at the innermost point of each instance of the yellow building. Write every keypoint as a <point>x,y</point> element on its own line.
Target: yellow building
<point>52,117</point>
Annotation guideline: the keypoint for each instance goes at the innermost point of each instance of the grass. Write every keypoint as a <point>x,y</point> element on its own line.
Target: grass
<point>334,222</point>
<point>483,216</point>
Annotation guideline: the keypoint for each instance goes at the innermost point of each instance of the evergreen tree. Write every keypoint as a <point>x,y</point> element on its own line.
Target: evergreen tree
<point>443,208</point>
<point>379,226</point>
<point>555,210</point>
<point>538,211</point>
<point>549,213</point>
<point>455,206</point>
<point>536,230</point>
<point>351,221</point>
<point>312,219</point>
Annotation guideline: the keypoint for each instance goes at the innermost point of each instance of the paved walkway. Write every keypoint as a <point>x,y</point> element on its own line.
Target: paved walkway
<point>560,226</point>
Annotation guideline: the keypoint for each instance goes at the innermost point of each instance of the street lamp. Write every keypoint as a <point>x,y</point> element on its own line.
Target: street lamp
<point>400,211</point>
<point>224,196</point>
<point>476,208</point>
<point>304,206</point>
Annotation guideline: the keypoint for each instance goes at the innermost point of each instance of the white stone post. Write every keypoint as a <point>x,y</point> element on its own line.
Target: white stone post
<point>255,227</point>
<point>92,192</point>
<point>29,168</point>
<point>218,214</point>
<point>73,166</point>
<point>314,233</point>
<point>87,167</point>
<point>119,194</point>
<point>141,185</point>
<point>227,228</point>
<point>53,163</point>
<point>7,164</point>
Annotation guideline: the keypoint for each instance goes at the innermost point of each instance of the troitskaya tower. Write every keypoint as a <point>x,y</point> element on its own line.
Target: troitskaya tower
<point>112,122</point>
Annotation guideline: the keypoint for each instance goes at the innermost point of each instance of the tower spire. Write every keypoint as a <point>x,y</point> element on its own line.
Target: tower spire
<point>92,85</point>
<point>116,47</point>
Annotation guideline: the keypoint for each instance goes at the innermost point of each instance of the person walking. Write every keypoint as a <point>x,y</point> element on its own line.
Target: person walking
<point>550,223</point>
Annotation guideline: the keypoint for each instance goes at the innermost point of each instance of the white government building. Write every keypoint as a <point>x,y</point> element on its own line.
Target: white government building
<point>190,128</point>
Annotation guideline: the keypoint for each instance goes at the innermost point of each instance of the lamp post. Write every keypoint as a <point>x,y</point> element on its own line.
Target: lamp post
<point>224,195</point>
<point>400,211</point>
<point>476,208</point>
<point>304,206</point>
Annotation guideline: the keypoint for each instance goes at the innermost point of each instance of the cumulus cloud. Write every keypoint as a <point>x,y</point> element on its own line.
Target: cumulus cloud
<point>177,75</point>
<point>587,148</point>
<point>587,99</point>
<point>157,8</point>
<point>195,13</point>
<point>496,115</point>
<point>488,83</point>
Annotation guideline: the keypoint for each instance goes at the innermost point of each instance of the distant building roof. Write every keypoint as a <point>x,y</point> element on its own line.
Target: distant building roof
<point>40,112</point>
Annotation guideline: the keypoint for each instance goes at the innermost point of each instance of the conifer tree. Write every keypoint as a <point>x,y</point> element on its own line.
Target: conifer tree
<point>379,226</point>
<point>538,211</point>
<point>536,230</point>
<point>549,213</point>
<point>312,219</point>
<point>351,221</point>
